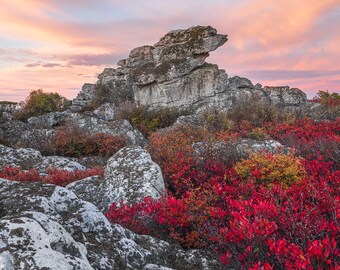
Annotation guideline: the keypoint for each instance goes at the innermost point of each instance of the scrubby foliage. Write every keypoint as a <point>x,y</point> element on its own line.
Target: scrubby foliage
<point>328,99</point>
<point>72,141</point>
<point>39,102</point>
<point>148,120</point>
<point>268,211</point>
<point>54,176</point>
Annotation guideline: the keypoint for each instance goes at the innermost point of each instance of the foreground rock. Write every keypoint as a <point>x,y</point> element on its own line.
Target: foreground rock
<point>47,227</point>
<point>131,175</point>
<point>173,73</point>
<point>24,157</point>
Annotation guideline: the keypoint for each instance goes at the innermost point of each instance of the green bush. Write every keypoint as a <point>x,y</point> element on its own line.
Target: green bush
<point>216,120</point>
<point>39,102</point>
<point>146,120</point>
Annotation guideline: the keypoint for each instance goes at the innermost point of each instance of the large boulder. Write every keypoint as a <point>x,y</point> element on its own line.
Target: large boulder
<point>285,96</point>
<point>130,176</point>
<point>188,91</point>
<point>22,157</point>
<point>176,54</point>
<point>11,131</point>
<point>101,120</point>
<point>48,227</point>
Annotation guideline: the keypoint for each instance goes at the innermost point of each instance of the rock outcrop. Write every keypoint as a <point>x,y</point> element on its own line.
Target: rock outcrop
<point>47,227</point>
<point>84,97</point>
<point>173,73</point>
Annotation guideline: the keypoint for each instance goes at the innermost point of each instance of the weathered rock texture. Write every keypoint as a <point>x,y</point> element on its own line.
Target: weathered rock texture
<point>173,73</point>
<point>131,175</point>
<point>47,227</point>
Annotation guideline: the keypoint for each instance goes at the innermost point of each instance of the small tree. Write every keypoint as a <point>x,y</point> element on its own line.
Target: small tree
<point>39,102</point>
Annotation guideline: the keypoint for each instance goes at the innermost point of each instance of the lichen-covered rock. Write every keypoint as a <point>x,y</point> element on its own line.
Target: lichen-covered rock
<point>285,96</point>
<point>24,157</point>
<point>49,120</point>
<point>228,152</point>
<point>176,54</point>
<point>107,111</point>
<point>37,138</point>
<point>10,131</point>
<point>173,73</point>
<point>245,147</point>
<point>60,163</point>
<point>131,175</point>
<point>87,187</point>
<point>47,227</point>
<point>189,91</point>
<point>83,98</point>
<point>117,127</point>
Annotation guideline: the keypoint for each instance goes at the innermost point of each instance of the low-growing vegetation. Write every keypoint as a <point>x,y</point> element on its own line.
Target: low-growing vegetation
<point>267,211</point>
<point>39,102</point>
<point>72,141</point>
<point>149,120</point>
<point>53,176</point>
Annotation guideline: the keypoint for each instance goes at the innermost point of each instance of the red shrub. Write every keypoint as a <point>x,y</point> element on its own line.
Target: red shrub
<point>311,139</point>
<point>244,223</point>
<point>72,141</point>
<point>54,176</point>
<point>267,212</point>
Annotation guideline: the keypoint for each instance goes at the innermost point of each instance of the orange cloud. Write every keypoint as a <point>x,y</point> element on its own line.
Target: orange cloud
<point>263,35</point>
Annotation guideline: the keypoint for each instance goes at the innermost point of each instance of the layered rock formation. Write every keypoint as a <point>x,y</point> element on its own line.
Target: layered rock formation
<point>173,73</point>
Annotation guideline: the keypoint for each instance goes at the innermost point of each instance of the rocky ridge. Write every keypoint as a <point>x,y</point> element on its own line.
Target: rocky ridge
<point>173,73</point>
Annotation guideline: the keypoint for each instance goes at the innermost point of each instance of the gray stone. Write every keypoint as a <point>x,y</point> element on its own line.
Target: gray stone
<point>26,158</point>
<point>59,163</point>
<point>285,96</point>
<point>87,187</point>
<point>83,98</point>
<point>173,73</point>
<point>131,175</point>
<point>47,227</point>
<point>191,90</point>
<point>48,120</point>
<point>106,111</point>
<point>11,131</point>
<point>245,147</point>
<point>37,138</point>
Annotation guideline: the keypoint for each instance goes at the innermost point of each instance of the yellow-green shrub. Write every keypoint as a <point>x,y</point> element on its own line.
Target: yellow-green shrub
<point>39,102</point>
<point>266,168</point>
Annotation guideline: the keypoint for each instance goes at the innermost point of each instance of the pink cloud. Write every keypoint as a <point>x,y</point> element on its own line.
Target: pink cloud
<point>264,35</point>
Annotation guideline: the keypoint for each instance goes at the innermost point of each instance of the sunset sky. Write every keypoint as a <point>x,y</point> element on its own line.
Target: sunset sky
<point>58,45</point>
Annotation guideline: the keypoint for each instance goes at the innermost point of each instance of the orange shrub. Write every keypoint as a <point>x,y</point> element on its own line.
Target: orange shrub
<point>168,143</point>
